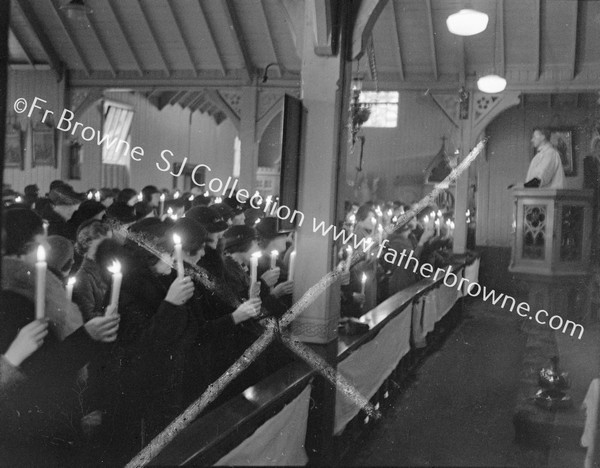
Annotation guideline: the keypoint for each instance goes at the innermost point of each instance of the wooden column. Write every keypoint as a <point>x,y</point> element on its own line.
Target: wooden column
<point>249,146</point>
<point>4,16</point>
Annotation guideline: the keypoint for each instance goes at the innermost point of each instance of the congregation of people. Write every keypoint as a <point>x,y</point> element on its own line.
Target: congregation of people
<point>151,296</point>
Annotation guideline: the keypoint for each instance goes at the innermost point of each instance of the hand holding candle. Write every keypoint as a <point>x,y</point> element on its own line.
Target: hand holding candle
<point>40,282</point>
<point>178,256</point>
<point>117,278</point>
<point>70,284</point>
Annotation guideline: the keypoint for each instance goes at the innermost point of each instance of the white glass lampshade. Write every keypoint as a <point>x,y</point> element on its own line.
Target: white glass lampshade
<point>491,84</point>
<point>467,22</point>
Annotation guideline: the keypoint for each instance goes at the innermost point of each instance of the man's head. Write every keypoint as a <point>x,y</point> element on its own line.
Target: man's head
<point>65,200</point>
<point>540,136</point>
<point>151,195</point>
<point>24,232</point>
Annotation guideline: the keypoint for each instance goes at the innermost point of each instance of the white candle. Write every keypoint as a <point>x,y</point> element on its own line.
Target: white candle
<point>380,231</point>
<point>348,258</point>
<point>90,195</point>
<point>274,254</point>
<point>363,281</point>
<point>191,198</point>
<point>439,213</point>
<point>97,196</point>
<point>70,285</point>
<point>140,197</point>
<point>176,195</point>
<point>292,264</point>
<point>254,267</point>
<point>178,256</point>
<point>426,220</point>
<point>117,277</point>
<point>40,282</point>
<point>162,204</point>
<point>437,227</point>
<point>218,200</point>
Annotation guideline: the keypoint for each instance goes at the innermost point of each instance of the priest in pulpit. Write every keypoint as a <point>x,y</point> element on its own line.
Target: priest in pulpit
<point>545,169</point>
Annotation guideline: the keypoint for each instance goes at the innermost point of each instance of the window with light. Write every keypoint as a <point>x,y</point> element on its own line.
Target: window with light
<point>384,108</point>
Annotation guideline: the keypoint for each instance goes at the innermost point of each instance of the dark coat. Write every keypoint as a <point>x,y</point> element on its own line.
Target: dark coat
<point>89,292</point>
<point>57,224</point>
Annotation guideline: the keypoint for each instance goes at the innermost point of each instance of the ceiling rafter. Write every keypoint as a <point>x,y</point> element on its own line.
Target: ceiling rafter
<point>188,98</point>
<point>186,43</point>
<point>211,34</point>
<point>238,37</point>
<point>165,99</point>
<point>205,105</point>
<point>537,44</point>
<point>432,39</point>
<point>153,35</point>
<point>272,43</point>
<point>123,31</point>
<point>574,48</point>
<point>21,42</point>
<point>500,40</point>
<point>36,27</point>
<point>66,29</point>
<point>178,95</point>
<point>396,23</point>
<point>103,44</point>
<point>197,102</point>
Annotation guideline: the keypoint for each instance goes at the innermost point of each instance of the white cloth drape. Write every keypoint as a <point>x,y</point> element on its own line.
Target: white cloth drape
<point>367,368</point>
<point>279,441</point>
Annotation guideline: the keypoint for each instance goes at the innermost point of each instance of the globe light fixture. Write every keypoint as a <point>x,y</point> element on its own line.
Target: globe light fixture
<point>467,22</point>
<point>491,84</point>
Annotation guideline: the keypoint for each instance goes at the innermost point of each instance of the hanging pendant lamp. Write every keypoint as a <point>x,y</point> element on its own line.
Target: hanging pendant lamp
<point>467,22</point>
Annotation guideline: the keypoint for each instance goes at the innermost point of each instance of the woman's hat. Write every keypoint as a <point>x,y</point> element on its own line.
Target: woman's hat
<point>237,235</point>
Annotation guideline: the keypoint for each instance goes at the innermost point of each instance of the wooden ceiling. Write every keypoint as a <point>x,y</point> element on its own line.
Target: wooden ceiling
<point>176,49</point>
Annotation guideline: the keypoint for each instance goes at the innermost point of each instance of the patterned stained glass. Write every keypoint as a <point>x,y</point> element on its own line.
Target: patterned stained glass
<point>534,231</point>
<point>571,242</point>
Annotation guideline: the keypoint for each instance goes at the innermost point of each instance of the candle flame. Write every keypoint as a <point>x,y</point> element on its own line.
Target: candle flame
<point>257,221</point>
<point>349,249</point>
<point>218,200</point>
<point>257,255</point>
<point>41,253</point>
<point>115,267</point>
<point>176,194</point>
<point>439,213</point>
<point>191,198</point>
<point>426,219</point>
<point>140,197</point>
<point>18,200</point>
<point>72,280</point>
<point>390,212</point>
<point>162,197</point>
<point>380,228</point>
<point>176,239</point>
<point>207,194</point>
<point>394,219</point>
<point>89,195</point>
<point>364,278</point>
<point>170,211</point>
<point>97,195</point>
<point>274,253</point>
<point>352,219</point>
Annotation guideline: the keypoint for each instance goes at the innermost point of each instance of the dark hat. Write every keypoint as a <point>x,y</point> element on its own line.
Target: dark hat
<point>224,210</point>
<point>209,218</point>
<point>87,210</point>
<point>268,228</point>
<point>20,225</point>
<point>65,195</point>
<point>142,209</point>
<point>235,205</point>
<point>148,190</point>
<point>60,257</point>
<point>32,189</point>
<point>191,232</point>
<point>237,235</point>
<point>253,216</point>
<point>121,212</point>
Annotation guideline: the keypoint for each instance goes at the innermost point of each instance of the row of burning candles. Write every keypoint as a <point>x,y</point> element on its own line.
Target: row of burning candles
<point>117,277</point>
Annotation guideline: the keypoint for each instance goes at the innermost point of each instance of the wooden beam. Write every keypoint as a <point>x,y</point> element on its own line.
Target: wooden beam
<point>20,41</point>
<point>122,30</point>
<point>537,42</point>
<point>211,36</point>
<point>574,43</point>
<point>238,37</point>
<point>103,44</point>
<point>36,28</point>
<point>186,43</point>
<point>218,101</point>
<point>197,102</point>
<point>178,95</point>
<point>153,35</point>
<point>500,40</point>
<point>276,56</point>
<point>396,10</point>
<point>66,29</point>
<point>431,39</point>
<point>189,97</point>
<point>366,18</point>
<point>204,106</point>
<point>165,98</point>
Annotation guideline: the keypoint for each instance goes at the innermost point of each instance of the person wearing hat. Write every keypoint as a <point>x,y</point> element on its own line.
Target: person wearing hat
<point>225,211</point>
<point>274,239</point>
<point>212,261</point>
<point>64,202</point>
<point>151,195</point>
<point>31,195</point>
<point>60,257</point>
<point>32,414</point>
<point>89,209</point>
<point>120,216</point>
<point>238,208</point>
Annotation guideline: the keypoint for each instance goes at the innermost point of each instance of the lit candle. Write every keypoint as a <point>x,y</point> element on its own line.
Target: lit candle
<point>437,227</point>
<point>352,219</point>
<point>40,282</point>
<point>380,232</point>
<point>162,204</point>
<point>207,194</point>
<point>395,219</point>
<point>432,215</point>
<point>70,285</point>
<point>390,213</point>
<point>140,197</point>
<point>191,198</point>
<point>292,264</point>
<point>97,196</point>
<point>439,213</point>
<point>90,195</point>
<point>46,225</point>
<point>178,256</point>
<point>348,258</point>
<point>117,278</point>
<point>363,282</point>
<point>176,195</point>
<point>18,199</point>
<point>169,211</point>
<point>426,220</point>
<point>274,254</point>
<point>218,200</point>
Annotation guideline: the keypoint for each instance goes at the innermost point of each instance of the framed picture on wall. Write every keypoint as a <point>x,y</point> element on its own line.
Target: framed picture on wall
<point>44,148</point>
<point>13,151</point>
<point>562,139</point>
